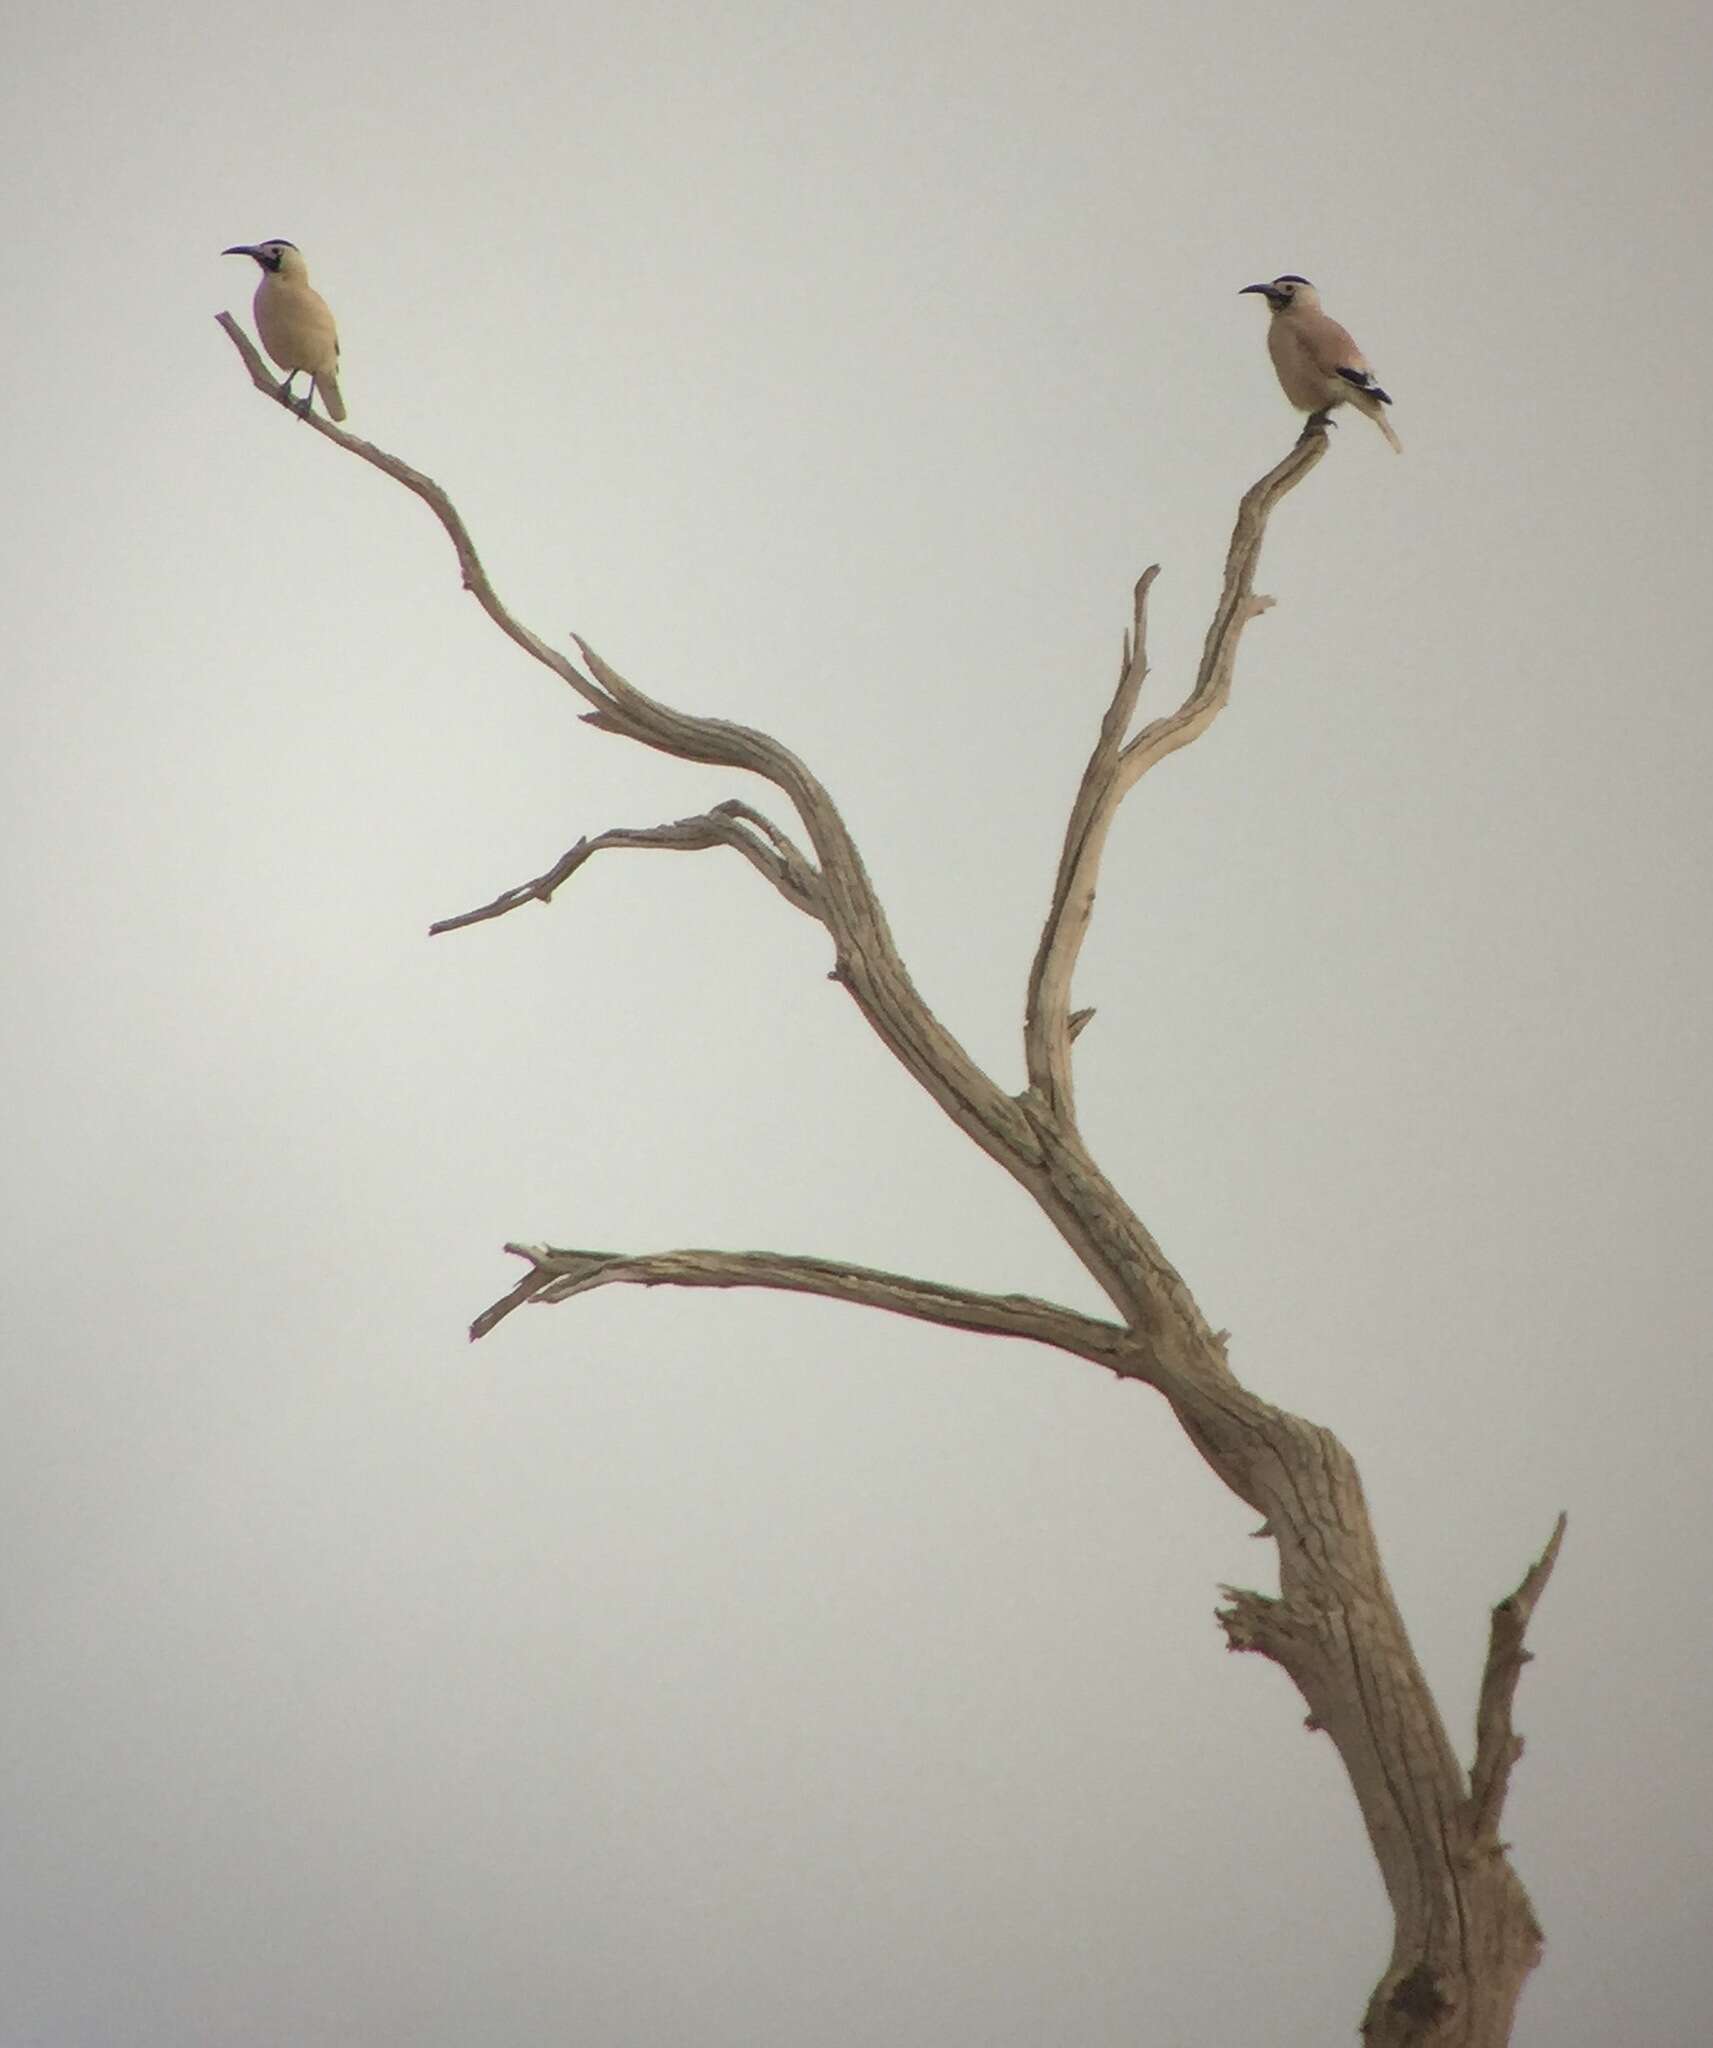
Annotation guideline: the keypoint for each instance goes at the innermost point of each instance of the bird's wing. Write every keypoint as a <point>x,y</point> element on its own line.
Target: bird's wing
<point>1364,381</point>
<point>1330,346</point>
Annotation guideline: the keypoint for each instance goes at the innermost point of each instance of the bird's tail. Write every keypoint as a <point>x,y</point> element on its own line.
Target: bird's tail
<point>328,386</point>
<point>1377,413</point>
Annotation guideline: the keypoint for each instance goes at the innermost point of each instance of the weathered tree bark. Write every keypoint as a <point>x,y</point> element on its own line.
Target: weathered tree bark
<point>1465,1936</point>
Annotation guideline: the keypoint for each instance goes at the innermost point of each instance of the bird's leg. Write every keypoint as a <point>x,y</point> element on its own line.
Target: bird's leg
<point>289,397</point>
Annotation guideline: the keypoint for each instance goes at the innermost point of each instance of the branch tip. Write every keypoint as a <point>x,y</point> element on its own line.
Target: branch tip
<point>1497,1744</point>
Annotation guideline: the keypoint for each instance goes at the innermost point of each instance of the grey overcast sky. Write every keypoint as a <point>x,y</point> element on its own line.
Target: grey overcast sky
<point>686,1672</point>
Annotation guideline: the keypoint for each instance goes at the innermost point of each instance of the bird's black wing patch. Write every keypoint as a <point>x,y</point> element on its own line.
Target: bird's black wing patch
<point>1364,381</point>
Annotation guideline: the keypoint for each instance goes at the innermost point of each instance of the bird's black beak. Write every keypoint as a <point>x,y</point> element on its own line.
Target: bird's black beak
<point>1266,290</point>
<point>243,249</point>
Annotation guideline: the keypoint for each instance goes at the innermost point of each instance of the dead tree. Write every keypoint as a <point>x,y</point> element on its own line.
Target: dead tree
<point>1465,1935</point>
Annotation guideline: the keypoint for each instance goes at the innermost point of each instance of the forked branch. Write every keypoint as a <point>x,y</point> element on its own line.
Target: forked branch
<point>617,705</point>
<point>1117,765</point>
<point>867,959</point>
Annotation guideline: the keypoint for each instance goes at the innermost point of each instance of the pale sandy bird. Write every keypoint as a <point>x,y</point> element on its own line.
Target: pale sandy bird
<point>1318,363</point>
<point>294,323</point>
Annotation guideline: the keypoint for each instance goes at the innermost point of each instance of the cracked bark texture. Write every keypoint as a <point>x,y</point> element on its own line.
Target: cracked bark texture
<point>1465,1936</point>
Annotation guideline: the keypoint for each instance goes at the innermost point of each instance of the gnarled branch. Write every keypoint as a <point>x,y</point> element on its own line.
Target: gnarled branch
<point>1464,1933</point>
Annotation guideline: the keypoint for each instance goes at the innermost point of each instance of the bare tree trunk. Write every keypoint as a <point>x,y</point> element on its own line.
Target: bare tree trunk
<point>1465,1936</point>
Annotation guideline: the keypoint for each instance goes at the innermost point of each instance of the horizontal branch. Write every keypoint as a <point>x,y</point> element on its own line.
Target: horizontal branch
<point>557,1273</point>
<point>1497,1744</point>
<point>732,824</point>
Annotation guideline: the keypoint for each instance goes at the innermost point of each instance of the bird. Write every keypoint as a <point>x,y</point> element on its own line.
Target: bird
<point>295,325</point>
<point>1319,365</point>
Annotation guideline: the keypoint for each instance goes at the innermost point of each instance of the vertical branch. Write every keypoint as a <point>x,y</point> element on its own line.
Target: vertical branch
<point>1047,1032</point>
<point>1497,1743</point>
<point>1115,768</point>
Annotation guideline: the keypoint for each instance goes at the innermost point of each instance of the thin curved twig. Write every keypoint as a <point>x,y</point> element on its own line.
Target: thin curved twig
<point>727,824</point>
<point>476,579</point>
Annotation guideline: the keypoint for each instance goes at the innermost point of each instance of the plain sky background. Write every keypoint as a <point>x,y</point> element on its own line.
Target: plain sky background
<point>679,1671</point>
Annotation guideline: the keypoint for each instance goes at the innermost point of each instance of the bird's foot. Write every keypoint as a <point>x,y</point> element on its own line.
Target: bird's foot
<point>1321,422</point>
